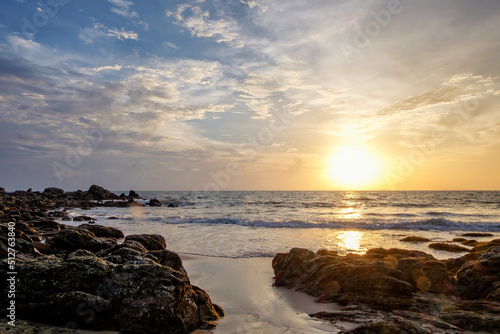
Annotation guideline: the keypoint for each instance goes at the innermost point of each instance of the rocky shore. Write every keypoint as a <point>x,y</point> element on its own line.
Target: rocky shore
<point>91,276</point>
<point>94,277</point>
<point>400,291</point>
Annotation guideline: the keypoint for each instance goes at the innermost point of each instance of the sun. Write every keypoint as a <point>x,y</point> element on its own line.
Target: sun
<point>354,167</point>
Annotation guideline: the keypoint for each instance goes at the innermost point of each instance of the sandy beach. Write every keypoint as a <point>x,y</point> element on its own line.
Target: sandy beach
<point>243,287</point>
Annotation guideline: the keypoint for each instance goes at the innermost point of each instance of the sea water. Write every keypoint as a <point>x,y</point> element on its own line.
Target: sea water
<point>261,223</point>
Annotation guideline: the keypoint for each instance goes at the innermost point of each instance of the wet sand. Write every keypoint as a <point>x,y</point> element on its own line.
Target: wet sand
<point>243,287</point>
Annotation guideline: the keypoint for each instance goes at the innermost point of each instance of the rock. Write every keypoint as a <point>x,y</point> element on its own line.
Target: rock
<point>453,265</point>
<point>472,321</point>
<point>477,234</point>
<point>419,294</point>
<point>172,205</point>
<point>448,247</point>
<point>477,279</point>
<point>426,275</point>
<point>470,243</point>
<point>87,292</point>
<point>421,270</point>
<point>327,252</point>
<point>43,248</point>
<point>53,192</point>
<point>344,280</point>
<point>72,239</point>
<point>388,327</point>
<point>85,280</point>
<point>151,242</point>
<point>458,239</point>
<point>484,246</point>
<point>26,229</point>
<point>136,245</point>
<point>82,218</point>
<point>169,259</point>
<point>133,194</point>
<point>47,227</point>
<point>414,239</point>
<point>103,231</point>
<point>96,192</point>
<point>154,202</point>
<point>113,217</point>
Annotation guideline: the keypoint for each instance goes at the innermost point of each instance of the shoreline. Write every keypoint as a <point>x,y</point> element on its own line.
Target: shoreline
<point>243,287</point>
<point>257,293</point>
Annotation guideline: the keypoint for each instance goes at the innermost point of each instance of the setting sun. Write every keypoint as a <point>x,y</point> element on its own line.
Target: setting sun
<point>354,167</point>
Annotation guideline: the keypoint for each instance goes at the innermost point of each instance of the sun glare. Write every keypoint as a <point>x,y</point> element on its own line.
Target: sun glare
<point>354,167</point>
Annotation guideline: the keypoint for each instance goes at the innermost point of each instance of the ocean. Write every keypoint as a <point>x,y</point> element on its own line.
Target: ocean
<point>240,224</point>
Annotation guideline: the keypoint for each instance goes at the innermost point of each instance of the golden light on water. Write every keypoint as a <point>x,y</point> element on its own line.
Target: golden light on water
<point>350,241</point>
<point>350,213</point>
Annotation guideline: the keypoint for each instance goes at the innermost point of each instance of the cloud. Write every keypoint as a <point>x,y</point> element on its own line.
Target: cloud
<point>123,8</point>
<point>171,45</point>
<point>108,68</point>
<point>99,31</point>
<point>459,88</point>
<point>200,24</point>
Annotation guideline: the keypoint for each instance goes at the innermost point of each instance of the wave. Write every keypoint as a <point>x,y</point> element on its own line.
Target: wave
<point>432,224</point>
<point>439,213</point>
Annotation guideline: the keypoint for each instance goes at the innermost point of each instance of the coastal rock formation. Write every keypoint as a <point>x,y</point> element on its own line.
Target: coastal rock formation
<point>409,291</point>
<point>81,278</point>
<point>481,279</point>
<point>84,284</point>
<point>414,238</point>
<point>103,231</point>
<point>447,247</point>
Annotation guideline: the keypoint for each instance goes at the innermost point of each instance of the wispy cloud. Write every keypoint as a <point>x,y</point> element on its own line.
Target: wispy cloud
<point>122,7</point>
<point>99,31</point>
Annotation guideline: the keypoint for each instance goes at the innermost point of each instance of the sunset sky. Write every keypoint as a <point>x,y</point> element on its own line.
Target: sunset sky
<point>250,94</point>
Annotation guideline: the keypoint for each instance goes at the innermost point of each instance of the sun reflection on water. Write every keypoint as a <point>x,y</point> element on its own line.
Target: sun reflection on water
<point>350,241</point>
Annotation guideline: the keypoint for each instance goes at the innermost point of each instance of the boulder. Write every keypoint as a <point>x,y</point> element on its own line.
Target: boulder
<point>133,194</point>
<point>154,202</point>
<point>426,275</point>
<point>88,292</point>
<point>448,247</point>
<point>343,279</point>
<point>82,218</point>
<point>47,226</point>
<point>96,192</point>
<point>53,192</point>
<point>415,239</point>
<point>388,327</point>
<point>477,279</point>
<point>169,259</point>
<point>103,231</point>
<point>72,239</point>
<point>484,246</point>
<point>454,265</point>
<point>151,242</point>
<point>477,234</point>
<point>43,248</point>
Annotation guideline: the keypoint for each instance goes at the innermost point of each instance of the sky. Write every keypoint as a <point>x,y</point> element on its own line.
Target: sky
<point>250,94</point>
